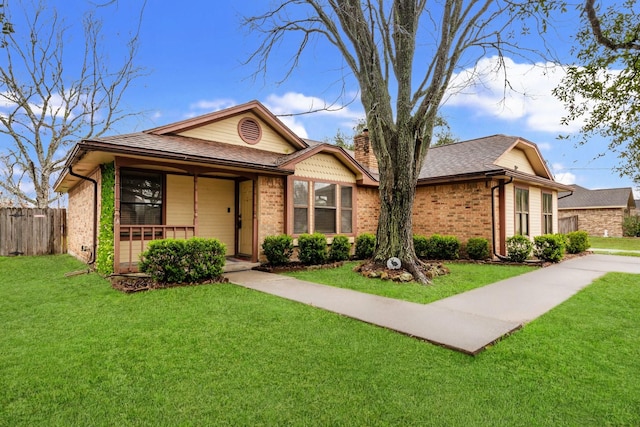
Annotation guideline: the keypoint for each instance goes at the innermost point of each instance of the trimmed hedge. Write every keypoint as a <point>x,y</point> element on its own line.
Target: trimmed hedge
<point>631,226</point>
<point>365,245</point>
<point>478,248</point>
<point>519,248</point>
<point>183,261</point>
<point>340,248</point>
<point>421,246</point>
<point>312,248</point>
<point>577,242</point>
<point>550,247</point>
<point>278,249</point>
<point>443,247</point>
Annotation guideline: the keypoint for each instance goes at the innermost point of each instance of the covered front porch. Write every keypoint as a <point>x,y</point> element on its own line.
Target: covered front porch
<point>155,200</point>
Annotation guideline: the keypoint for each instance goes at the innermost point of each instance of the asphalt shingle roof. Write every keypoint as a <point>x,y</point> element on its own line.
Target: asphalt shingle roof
<point>585,198</point>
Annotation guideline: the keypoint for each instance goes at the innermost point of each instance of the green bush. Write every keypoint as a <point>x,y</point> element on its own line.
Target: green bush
<point>340,249</point>
<point>312,248</point>
<point>365,245</point>
<point>519,248</point>
<point>478,248</point>
<point>183,261</point>
<point>278,249</point>
<point>421,246</point>
<point>550,247</point>
<point>443,247</point>
<point>106,248</point>
<point>631,226</point>
<point>577,242</point>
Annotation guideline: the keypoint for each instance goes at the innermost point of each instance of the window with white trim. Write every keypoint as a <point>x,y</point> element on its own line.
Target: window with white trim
<point>522,211</point>
<point>547,213</point>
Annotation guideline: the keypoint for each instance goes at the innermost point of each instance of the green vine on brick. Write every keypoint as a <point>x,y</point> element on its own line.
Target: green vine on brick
<point>104,259</point>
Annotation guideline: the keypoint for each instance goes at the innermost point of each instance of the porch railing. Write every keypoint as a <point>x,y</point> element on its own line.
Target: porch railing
<point>133,240</point>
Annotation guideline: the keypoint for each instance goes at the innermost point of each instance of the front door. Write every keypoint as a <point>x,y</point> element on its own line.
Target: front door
<point>245,219</point>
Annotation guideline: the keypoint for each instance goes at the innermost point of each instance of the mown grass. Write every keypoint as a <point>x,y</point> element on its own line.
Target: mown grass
<point>463,277</point>
<point>619,243</point>
<point>75,352</point>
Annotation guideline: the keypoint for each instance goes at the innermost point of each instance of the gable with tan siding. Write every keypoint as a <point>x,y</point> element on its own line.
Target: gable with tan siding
<point>227,131</point>
<point>516,159</point>
<point>324,167</point>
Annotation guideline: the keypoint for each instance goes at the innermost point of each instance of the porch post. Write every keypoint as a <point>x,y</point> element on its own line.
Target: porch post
<point>195,205</point>
<point>116,218</point>
<point>256,244</point>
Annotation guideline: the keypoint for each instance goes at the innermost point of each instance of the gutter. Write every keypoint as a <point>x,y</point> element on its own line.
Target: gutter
<point>493,218</point>
<point>95,212</point>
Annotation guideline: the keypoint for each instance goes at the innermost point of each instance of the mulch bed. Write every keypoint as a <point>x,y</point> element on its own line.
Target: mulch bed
<point>138,283</point>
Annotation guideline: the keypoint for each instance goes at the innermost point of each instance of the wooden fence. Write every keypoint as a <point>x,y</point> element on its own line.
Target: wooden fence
<point>32,231</point>
<point>568,224</point>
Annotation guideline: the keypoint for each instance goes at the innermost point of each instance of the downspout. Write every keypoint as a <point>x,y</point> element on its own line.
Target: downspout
<point>493,218</point>
<point>95,212</point>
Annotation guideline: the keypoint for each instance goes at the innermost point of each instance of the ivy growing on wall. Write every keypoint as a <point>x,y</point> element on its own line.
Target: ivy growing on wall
<point>104,259</point>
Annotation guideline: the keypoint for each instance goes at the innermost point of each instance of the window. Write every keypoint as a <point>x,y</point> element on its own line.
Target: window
<point>547,213</point>
<point>300,207</point>
<point>140,198</point>
<point>328,210</point>
<point>522,211</point>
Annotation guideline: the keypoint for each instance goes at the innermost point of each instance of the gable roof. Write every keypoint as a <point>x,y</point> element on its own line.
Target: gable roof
<point>583,198</point>
<point>484,156</point>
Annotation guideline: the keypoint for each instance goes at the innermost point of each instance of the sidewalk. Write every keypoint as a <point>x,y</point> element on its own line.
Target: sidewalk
<point>466,322</point>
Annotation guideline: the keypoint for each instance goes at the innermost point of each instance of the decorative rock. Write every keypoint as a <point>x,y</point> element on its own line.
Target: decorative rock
<point>406,277</point>
<point>384,275</point>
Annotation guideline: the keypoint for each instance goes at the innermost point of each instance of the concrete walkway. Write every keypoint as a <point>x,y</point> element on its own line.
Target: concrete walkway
<point>467,322</point>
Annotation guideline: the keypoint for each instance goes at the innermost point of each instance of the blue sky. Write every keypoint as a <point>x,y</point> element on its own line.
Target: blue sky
<point>194,52</point>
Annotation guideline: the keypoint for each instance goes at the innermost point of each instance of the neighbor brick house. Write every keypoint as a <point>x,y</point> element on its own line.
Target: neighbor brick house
<point>598,212</point>
<point>240,175</point>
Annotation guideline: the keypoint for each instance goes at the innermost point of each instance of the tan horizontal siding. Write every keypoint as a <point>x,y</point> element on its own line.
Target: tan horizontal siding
<point>516,159</point>
<point>324,167</point>
<point>216,211</point>
<point>179,200</point>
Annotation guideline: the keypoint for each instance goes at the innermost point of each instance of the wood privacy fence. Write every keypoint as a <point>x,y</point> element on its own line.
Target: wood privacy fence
<point>32,231</point>
<point>568,224</point>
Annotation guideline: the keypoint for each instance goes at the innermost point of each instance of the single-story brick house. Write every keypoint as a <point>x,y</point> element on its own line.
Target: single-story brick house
<point>598,212</point>
<point>240,175</point>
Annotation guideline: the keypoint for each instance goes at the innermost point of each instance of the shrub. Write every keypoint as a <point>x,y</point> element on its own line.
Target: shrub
<point>550,247</point>
<point>183,261</point>
<point>278,249</point>
<point>519,248</point>
<point>340,249</point>
<point>443,247</point>
<point>631,226</point>
<point>577,242</point>
<point>421,246</point>
<point>365,245</point>
<point>478,248</point>
<point>312,248</point>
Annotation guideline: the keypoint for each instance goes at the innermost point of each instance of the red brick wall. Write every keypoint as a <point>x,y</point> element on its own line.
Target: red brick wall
<point>462,210</point>
<point>596,221</point>
<point>368,210</point>
<point>80,217</point>
<point>271,208</point>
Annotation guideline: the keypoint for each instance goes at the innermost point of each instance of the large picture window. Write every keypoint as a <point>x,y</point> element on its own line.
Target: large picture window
<point>547,213</point>
<point>522,211</point>
<point>140,198</point>
<point>322,207</point>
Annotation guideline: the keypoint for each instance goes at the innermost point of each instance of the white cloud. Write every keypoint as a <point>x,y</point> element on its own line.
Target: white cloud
<point>544,146</point>
<point>561,175</point>
<point>212,105</point>
<point>524,95</point>
<point>298,103</point>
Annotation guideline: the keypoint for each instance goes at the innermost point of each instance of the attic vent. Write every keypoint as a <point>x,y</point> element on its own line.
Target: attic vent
<point>249,130</point>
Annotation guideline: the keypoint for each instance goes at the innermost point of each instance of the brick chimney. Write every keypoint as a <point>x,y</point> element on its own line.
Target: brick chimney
<point>364,151</point>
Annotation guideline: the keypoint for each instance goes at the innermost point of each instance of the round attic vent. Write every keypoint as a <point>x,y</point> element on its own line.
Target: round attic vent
<point>249,130</point>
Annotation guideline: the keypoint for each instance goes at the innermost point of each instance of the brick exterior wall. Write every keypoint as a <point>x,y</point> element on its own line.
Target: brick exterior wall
<point>368,210</point>
<point>80,217</point>
<point>364,152</point>
<point>462,210</point>
<point>596,221</point>
<point>271,208</point>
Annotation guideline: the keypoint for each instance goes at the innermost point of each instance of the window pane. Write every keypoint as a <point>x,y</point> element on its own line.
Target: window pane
<point>546,203</point>
<point>140,198</point>
<point>300,220</point>
<point>300,193</point>
<point>325,221</point>
<point>346,223</point>
<point>346,200</point>
<point>325,195</point>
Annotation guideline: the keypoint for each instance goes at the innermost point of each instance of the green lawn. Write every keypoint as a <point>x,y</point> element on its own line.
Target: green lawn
<point>73,352</point>
<point>620,243</point>
<point>463,277</point>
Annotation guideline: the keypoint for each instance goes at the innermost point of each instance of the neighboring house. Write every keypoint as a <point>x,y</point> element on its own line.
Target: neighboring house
<point>598,212</point>
<point>240,175</point>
